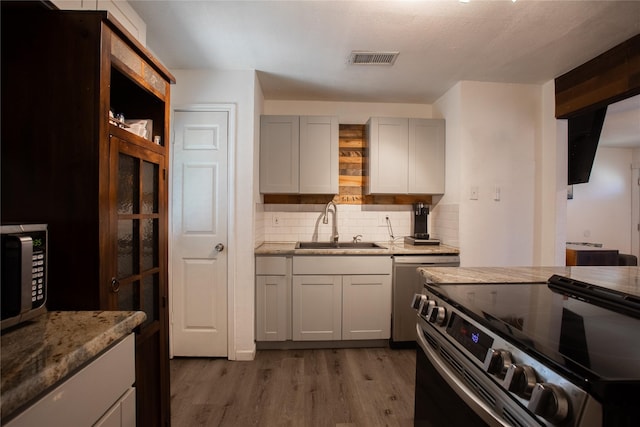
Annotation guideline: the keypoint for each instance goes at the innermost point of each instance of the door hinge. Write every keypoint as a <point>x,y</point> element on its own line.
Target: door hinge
<point>164,302</point>
<point>164,174</point>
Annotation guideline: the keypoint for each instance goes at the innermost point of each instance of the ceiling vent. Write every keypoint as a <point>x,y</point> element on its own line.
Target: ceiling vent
<point>372,58</point>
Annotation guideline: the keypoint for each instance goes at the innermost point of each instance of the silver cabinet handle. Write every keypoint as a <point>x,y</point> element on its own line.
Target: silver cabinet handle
<point>219,247</point>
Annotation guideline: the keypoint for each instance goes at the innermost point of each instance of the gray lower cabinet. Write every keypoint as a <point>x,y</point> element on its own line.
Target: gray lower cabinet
<point>273,298</point>
<point>101,394</point>
<point>317,308</point>
<point>341,298</point>
<point>323,298</point>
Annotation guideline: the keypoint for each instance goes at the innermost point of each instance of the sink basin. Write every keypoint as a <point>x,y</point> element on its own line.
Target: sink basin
<point>340,245</point>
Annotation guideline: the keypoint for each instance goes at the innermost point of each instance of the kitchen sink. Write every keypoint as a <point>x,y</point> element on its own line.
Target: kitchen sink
<point>339,245</point>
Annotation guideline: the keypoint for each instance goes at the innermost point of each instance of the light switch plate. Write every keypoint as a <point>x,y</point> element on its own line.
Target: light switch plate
<point>474,193</point>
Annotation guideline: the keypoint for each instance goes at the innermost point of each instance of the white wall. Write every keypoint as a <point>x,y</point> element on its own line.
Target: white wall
<point>239,88</point>
<point>551,184</point>
<point>600,211</point>
<point>493,131</point>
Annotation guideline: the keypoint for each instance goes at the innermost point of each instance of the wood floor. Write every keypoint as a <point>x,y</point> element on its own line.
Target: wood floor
<point>332,387</point>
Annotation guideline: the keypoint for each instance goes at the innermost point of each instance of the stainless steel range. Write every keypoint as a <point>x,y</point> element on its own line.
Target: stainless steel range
<point>565,352</point>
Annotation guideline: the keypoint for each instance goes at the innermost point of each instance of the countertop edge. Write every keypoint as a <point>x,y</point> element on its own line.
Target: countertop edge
<point>288,248</point>
<point>33,388</point>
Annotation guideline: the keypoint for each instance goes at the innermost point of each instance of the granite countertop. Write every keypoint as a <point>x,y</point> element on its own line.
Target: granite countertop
<point>462,275</point>
<point>396,248</point>
<point>624,279</point>
<point>38,355</point>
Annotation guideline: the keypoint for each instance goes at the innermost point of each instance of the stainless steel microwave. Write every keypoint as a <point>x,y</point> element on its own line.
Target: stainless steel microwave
<point>23,268</point>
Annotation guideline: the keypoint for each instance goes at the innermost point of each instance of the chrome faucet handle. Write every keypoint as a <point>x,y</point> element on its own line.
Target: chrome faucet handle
<point>357,238</point>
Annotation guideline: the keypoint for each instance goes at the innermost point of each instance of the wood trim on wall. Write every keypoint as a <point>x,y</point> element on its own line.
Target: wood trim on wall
<point>352,179</point>
<point>607,78</point>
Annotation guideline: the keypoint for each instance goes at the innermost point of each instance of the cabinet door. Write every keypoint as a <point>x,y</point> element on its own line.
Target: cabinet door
<point>366,302</point>
<point>319,155</point>
<point>138,246</point>
<point>279,154</point>
<point>388,153</point>
<point>426,156</point>
<point>122,414</point>
<point>273,308</point>
<point>317,308</point>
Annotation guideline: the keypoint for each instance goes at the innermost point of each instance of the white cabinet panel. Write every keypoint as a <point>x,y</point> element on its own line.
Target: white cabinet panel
<point>388,148</point>
<point>366,307</point>
<point>273,298</point>
<point>109,378</point>
<point>317,308</point>
<point>299,155</point>
<point>318,155</point>
<point>406,156</point>
<point>122,414</point>
<point>357,264</point>
<point>273,308</point>
<point>279,154</point>
<point>426,156</point>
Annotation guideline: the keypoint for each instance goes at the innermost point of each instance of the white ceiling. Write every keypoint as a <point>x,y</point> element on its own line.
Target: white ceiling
<point>300,49</point>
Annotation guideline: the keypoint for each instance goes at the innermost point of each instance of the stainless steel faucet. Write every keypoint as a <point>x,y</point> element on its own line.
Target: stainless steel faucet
<point>325,219</point>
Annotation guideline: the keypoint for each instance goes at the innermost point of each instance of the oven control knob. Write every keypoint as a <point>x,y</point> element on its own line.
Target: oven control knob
<point>550,402</point>
<point>426,306</point>
<point>497,362</point>
<point>417,300</point>
<point>520,379</point>
<point>437,315</point>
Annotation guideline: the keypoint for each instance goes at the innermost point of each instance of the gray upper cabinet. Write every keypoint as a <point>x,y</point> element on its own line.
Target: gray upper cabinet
<point>279,154</point>
<point>426,156</point>
<point>406,156</point>
<point>299,155</point>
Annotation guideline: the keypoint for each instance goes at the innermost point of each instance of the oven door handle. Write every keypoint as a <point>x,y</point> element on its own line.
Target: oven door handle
<point>464,392</point>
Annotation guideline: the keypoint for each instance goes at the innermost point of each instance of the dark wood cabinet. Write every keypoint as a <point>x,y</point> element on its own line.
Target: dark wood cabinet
<point>101,188</point>
<point>590,255</point>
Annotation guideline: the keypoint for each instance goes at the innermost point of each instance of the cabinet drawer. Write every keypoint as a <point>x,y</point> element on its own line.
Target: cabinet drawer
<point>273,265</point>
<point>342,265</point>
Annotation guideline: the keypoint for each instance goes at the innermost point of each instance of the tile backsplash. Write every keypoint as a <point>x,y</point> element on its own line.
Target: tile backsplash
<point>291,223</point>
<point>303,222</point>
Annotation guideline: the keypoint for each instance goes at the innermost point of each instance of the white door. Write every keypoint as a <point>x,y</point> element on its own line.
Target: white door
<point>199,234</point>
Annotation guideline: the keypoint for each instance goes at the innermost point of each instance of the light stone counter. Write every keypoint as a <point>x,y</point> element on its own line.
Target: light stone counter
<point>623,279</point>
<point>465,275</point>
<point>38,355</point>
<point>397,248</point>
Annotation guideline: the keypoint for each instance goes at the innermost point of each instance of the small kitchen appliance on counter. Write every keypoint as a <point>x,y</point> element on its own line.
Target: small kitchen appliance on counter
<point>24,272</point>
<point>420,229</point>
<point>558,353</point>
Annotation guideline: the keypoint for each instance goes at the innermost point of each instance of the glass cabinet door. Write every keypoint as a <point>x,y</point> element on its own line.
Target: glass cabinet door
<point>138,223</point>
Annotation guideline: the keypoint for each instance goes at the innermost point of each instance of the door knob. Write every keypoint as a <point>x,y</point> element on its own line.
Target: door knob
<point>219,247</point>
<point>115,285</point>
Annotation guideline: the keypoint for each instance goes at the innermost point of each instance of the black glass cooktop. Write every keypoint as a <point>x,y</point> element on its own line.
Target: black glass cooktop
<point>588,341</point>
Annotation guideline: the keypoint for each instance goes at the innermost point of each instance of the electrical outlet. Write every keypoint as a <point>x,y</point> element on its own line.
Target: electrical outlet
<point>275,220</point>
